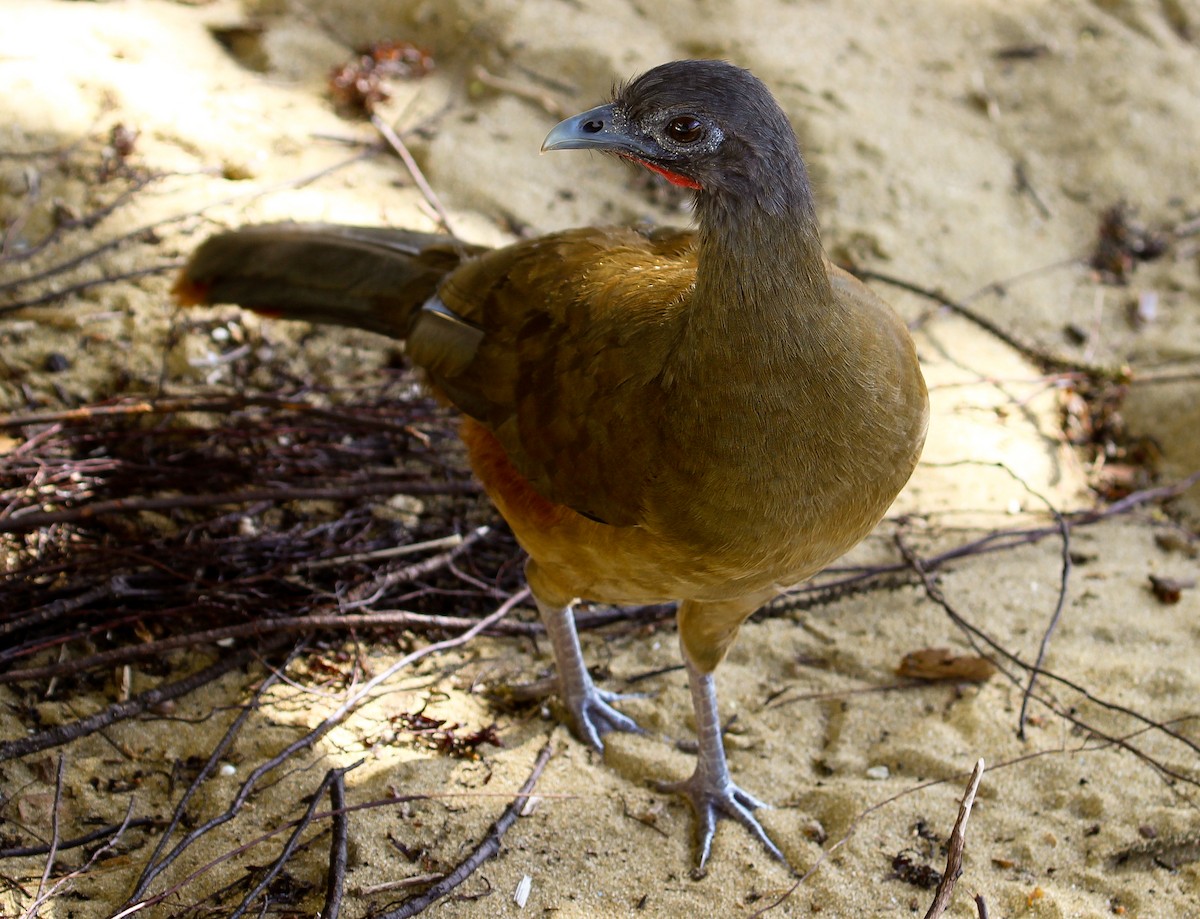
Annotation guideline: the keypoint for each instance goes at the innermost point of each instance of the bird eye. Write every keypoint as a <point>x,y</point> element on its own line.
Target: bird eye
<point>686,129</point>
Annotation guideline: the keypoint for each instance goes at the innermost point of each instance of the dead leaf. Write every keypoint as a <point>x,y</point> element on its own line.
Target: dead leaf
<point>944,664</point>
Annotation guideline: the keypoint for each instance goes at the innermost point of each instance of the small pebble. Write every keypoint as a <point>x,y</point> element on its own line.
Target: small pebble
<point>879,773</point>
<point>55,362</point>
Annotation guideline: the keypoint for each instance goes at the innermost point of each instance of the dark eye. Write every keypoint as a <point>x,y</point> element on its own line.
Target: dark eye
<point>686,129</point>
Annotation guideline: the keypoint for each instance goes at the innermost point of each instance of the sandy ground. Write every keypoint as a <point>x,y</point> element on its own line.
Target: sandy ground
<point>952,145</point>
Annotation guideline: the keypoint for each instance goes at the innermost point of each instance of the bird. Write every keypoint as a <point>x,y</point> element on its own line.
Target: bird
<point>707,416</point>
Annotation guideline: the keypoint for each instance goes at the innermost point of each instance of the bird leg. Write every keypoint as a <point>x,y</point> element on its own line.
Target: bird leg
<point>710,789</point>
<point>593,717</point>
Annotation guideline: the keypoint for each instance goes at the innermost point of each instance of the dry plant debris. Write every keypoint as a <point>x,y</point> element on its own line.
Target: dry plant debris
<point>944,664</point>
<point>1122,242</point>
<point>360,85</point>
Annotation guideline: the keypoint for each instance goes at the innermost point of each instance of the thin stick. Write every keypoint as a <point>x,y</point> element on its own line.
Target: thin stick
<point>485,850</point>
<point>142,231</point>
<point>453,541</point>
<point>54,837</point>
<point>32,911</point>
<point>153,866</point>
<point>996,541</point>
<point>81,286</point>
<point>57,608</point>
<point>35,520</point>
<point>333,719</point>
<point>335,880</point>
<point>293,840</point>
<point>975,635</point>
<point>860,818</point>
<point>397,144</point>
<point>1064,578</point>
<point>77,841</point>
<point>546,102</point>
<point>1064,582</point>
<point>367,593</point>
<point>378,619</point>
<point>61,734</point>
<point>1044,358</point>
<point>89,414</point>
<point>958,840</point>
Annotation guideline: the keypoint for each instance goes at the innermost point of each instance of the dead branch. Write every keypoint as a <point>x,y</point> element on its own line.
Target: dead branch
<point>55,813</point>
<point>335,879</point>
<point>818,590</point>
<point>289,847</point>
<point>105,832</point>
<point>1042,357</point>
<point>860,818</point>
<point>63,734</point>
<point>401,483</point>
<point>958,840</point>
<point>484,851</point>
<point>149,230</point>
<point>153,866</point>
<point>1064,581</point>
<point>976,636</point>
<point>1044,645</point>
<point>351,703</point>
<point>222,404</point>
<point>92,218</point>
<point>389,619</point>
<point>401,150</point>
<point>112,841</point>
<point>543,100</point>
<point>78,288</point>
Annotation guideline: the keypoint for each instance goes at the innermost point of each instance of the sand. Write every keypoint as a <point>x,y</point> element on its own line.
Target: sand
<point>966,148</point>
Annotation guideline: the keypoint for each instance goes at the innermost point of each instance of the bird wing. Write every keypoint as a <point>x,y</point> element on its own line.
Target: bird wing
<point>556,346</point>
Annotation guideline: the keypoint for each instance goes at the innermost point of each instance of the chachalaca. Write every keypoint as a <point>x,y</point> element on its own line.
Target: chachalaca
<point>707,416</point>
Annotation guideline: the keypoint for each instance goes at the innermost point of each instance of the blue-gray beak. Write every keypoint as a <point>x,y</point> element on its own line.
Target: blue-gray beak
<point>595,129</point>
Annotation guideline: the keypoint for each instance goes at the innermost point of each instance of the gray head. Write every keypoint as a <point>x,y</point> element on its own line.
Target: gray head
<point>706,125</point>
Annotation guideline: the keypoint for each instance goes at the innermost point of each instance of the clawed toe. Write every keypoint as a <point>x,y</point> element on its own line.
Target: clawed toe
<point>594,717</point>
<point>712,800</point>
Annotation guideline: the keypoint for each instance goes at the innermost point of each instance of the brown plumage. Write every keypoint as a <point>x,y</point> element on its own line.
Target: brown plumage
<point>705,417</point>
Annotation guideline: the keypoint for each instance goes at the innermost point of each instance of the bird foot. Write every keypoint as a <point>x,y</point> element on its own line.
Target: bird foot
<point>711,799</point>
<point>593,716</point>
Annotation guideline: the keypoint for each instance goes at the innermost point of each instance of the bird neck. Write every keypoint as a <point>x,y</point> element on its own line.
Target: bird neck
<point>761,268</point>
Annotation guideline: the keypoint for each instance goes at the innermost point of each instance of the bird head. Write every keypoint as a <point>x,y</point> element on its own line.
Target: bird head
<point>704,125</point>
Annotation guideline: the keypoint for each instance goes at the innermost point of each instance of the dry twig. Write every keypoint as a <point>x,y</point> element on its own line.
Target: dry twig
<point>954,855</point>
<point>976,636</point>
<point>339,842</point>
<point>485,850</point>
<point>401,150</point>
<point>349,704</point>
<point>331,777</point>
<point>65,733</point>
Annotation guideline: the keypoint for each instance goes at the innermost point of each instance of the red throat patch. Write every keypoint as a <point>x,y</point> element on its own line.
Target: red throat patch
<point>673,177</point>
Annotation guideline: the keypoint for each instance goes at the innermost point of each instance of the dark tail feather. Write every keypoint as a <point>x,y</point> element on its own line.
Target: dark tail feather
<point>370,278</point>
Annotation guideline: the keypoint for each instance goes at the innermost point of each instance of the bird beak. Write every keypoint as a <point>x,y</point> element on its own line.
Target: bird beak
<point>595,129</point>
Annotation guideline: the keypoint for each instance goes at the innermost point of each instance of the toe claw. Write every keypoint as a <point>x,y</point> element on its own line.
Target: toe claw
<point>594,717</point>
<point>711,800</point>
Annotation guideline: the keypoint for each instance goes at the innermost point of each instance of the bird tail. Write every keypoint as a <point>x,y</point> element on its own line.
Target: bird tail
<point>372,278</point>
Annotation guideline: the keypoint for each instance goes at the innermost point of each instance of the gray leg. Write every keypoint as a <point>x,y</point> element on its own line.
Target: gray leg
<point>710,789</point>
<point>589,708</point>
